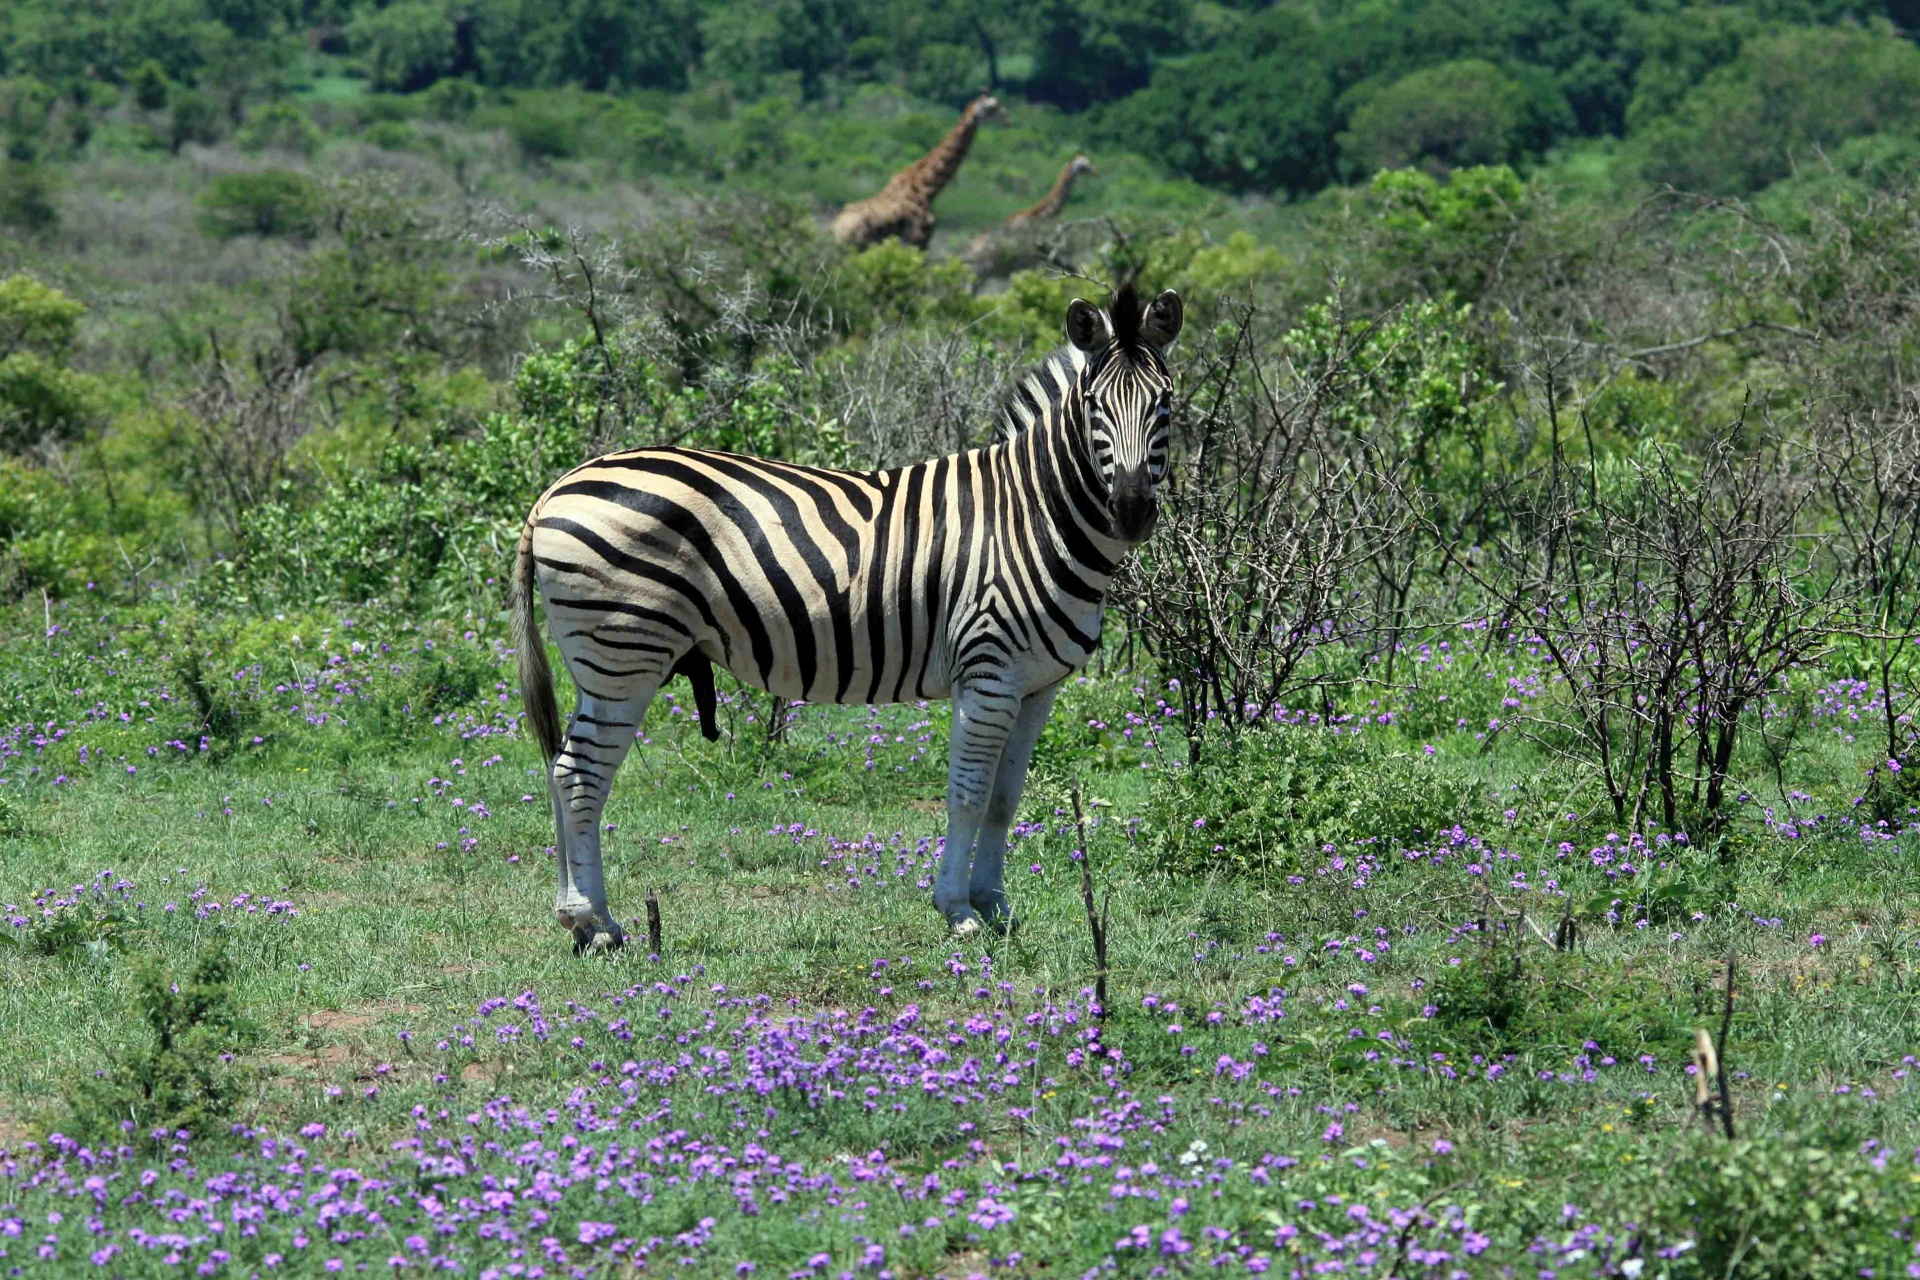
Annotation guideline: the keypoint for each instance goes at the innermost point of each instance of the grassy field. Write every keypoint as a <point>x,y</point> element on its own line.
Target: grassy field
<point>1367,1057</point>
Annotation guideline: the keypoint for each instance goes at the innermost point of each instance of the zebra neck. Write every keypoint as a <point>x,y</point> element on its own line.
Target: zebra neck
<point>1074,497</point>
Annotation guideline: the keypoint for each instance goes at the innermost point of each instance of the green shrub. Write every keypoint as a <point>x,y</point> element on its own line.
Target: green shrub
<point>28,197</point>
<point>271,202</point>
<point>892,284</point>
<point>391,135</point>
<point>279,126</point>
<point>1793,1206</point>
<point>196,118</point>
<point>544,130</point>
<point>38,317</point>
<point>1512,994</point>
<point>182,1078</point>
<point>41,400</point>
<point>454,98</point>
<point>1270,800</point>
<point>654,143</point>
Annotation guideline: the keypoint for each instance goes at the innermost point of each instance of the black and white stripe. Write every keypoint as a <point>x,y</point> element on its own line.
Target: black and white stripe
<point>978,577</point>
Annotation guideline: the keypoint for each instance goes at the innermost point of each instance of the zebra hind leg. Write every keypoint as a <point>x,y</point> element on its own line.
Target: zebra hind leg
<point>986,888</point>
<point>598,738</point>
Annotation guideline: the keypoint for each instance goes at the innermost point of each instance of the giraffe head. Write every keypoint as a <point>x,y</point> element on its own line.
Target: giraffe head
<point>1080,164</point>
<point>1127,400</point>
<point>986,109</point>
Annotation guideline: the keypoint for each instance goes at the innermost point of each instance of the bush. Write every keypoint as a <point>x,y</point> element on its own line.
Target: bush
<point>37,317</point>
<point>1791,1205</point>
<point>27,197</point>
<point>1508,996</point>
<point>196,118</point>
<point>271,202</point>
<point>279,126</point>
<point>1270,800</point>
<point>545,130</point>
<point>181,1080</point>
<point>892,284</point>
<point>40,399</point>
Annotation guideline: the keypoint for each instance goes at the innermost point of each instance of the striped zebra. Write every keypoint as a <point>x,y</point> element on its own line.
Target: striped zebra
<point>978,577</point>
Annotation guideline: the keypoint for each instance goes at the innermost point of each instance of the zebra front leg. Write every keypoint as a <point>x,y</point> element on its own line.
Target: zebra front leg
<point>982,722</point>
<point>598,738</point>
<point>986,890</point>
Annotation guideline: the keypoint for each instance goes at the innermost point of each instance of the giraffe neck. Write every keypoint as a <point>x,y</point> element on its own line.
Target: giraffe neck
<point>936,169</point>
<point>1057,198</point>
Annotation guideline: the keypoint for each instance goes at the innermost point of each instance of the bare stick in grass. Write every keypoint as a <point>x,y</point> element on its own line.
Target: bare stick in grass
<point>1096,918</point>
<point>653,922</point>
<point>1706,1065</point>
<point>1726,1025</point>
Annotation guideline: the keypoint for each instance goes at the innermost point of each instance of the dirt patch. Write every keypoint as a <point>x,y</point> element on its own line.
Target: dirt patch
<point>484,1072</point>
<point>927,806</point>
<point>963,1266</point>
<point>13,1128</point>
<point>341,1020</point>
<point>359,1018</point>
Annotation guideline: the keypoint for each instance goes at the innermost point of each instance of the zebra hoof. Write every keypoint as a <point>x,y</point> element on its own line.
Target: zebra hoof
<point>995,914</point>
<point>594,940</point>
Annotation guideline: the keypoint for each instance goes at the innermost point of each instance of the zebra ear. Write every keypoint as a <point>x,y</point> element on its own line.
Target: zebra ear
<point>1086,327</point>
<point>1164,317</point>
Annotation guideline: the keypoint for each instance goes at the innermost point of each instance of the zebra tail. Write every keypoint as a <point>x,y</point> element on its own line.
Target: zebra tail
<point>530,649</point>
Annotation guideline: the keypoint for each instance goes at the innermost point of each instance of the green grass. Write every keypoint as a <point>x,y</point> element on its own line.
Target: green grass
<point>397,925</point>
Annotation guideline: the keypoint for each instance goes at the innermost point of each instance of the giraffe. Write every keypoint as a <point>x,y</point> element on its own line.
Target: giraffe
<point>981,251</point>
<point>1056,200</point>
<point>904,207</point>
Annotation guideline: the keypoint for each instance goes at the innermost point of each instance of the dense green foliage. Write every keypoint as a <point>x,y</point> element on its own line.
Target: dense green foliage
<point>1282,97</point>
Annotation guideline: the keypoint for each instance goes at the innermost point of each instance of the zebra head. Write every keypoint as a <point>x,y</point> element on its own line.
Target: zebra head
<point>1127,400</point>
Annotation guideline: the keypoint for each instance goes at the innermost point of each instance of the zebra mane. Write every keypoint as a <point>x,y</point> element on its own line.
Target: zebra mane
<point>1047,383</point>
<point>1041,387</point>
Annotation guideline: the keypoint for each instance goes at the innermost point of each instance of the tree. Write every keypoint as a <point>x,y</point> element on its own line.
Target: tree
<point>1090,51</point>
<point>150,86</point>
<point>627,43</point>
<point>406,46</point>
<point>1785,98</point>
<point>746,42</point>
<point>1439,118</point>
<point>1672,52</point>
<point>1255,116</point>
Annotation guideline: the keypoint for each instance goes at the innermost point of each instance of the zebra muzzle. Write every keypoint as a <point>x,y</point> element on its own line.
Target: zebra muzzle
<point>1132,506</point>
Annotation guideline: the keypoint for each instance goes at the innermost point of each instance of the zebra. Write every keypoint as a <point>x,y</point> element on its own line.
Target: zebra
<point>979,577</point>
